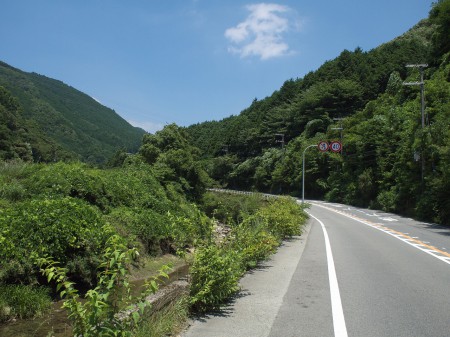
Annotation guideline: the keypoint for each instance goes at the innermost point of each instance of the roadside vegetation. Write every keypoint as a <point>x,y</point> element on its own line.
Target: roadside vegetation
<point>72,231</point>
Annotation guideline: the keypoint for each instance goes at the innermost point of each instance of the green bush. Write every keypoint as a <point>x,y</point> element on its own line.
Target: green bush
<point>136,186</point>
<point>21,301</point>
<point>11,174</point>
<point>63,228</point>
<point>109,309</point>
<point>284,217</point>
<point>231,208</point>
<point>253,240</point>
<point>217,267</point>
<point>12,191</point>
<point>215,274</point>
<point>190,229</point>
<point>145,225</point>
<point>76,180</point>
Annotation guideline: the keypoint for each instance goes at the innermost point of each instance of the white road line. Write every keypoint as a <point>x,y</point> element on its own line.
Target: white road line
<point>340,329</point>
<point>387,231</point>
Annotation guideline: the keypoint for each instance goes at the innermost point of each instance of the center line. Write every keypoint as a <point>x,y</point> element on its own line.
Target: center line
<point>340,329</point>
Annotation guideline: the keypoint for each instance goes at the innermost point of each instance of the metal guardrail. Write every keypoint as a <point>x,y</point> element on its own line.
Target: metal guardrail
<point>263,195</point>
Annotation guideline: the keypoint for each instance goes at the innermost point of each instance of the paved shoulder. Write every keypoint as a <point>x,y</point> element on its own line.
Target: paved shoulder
<point>254,309</point>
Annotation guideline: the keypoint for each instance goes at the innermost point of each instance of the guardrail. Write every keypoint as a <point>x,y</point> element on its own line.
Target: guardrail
<point>263,195</point>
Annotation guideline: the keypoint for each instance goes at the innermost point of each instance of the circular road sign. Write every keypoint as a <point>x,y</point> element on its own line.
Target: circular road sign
<point>336,146</point>
<point>323,146</point>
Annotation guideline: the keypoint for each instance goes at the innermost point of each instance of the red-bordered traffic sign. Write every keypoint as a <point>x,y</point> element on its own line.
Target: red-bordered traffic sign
<point>336,146</point>
<point>323,146</point>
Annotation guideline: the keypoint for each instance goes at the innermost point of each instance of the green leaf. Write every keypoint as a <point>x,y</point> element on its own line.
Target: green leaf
<point>135,315</point>
<point>50,276</point>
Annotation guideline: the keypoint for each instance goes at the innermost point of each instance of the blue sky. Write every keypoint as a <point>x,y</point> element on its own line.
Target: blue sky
<point>187,61</point>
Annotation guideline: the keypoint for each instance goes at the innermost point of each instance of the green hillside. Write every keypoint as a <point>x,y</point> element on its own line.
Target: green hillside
<point>69,118</point>
<point>388,161</point>
<point>339,88</point>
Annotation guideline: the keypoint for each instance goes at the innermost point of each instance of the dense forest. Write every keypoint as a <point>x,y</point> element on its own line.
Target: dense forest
<point>388,161</point>
<point>57,121</point>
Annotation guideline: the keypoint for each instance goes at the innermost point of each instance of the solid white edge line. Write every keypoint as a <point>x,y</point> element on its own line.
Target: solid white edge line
<point>340,329</point>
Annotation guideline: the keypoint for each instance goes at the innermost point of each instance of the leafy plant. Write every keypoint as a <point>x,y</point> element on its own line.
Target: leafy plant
<point>215,273</point>
<point>284,217</point>
<point>109,309</point>
<point>253,240</point>
<point>63,228</point>
<point>230,208</point>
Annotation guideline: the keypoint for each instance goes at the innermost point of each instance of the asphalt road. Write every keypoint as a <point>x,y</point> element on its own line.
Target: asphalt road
<point>355,273</point>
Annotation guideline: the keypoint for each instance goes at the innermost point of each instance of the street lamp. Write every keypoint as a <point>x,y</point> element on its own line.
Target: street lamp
<point>303,172</point>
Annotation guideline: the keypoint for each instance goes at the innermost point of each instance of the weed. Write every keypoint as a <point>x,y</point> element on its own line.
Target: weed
<point>21,301</point>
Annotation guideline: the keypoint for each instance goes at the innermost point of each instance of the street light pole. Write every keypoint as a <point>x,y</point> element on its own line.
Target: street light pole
<point>303,172</point>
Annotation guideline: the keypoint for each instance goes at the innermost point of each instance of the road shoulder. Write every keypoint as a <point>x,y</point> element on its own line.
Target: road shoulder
<point>253,310</point>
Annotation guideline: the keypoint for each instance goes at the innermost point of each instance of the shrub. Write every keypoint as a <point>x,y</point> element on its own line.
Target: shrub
<point>146,225</point>
<point>63,228</point>
<point>215,273</point>
<point>11,173</point>
<point>12,191</point>
<point>191,228</point>
<point>231,208</point>
<point>75,180</point>
<point>217,267</point>
<point>136,186</point>
<point>387,200</point>
<point>109,309</point>
<point>284,216</point>
<point>253,240</point>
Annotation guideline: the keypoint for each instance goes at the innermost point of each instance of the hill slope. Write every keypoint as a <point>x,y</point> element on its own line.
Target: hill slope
<point>339,88</point>
<point>389,160</point>
<point>70,118</point>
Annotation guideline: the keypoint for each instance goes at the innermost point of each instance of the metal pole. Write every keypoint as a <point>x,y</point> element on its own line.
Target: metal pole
<point>303,172</point>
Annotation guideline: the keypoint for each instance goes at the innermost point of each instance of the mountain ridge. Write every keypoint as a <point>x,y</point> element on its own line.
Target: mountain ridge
<point>71,118</point>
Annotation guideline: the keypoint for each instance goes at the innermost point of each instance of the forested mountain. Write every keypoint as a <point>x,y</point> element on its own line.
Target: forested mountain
<point>60,122</point>
<point>337,89</point>
<point>384,144</point>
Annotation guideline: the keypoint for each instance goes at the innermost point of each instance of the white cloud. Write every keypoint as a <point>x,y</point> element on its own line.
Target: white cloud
<point>261,34</point>
<point>147,126</point>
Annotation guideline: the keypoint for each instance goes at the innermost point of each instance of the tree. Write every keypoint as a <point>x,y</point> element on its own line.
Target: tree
<point>440,16</point>
<point>174,160</point>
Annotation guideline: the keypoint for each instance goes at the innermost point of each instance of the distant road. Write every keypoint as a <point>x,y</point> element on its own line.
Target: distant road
<point>359,273</point>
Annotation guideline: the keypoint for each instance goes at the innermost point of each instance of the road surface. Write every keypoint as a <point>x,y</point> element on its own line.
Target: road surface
<point>355,272</point>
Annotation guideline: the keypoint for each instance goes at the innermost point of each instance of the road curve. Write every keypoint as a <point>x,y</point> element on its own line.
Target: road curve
<point>391,278</point>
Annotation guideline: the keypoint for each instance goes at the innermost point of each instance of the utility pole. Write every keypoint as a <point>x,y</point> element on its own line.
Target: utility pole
<point>421,68</point>
<point>281,140</point>
<point>341,128</point>
<point>303,172</point>
<point>225,148</point>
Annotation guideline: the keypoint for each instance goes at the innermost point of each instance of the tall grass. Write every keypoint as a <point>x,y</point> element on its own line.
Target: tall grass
<point>166,322</point>
<point>20,301</point>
